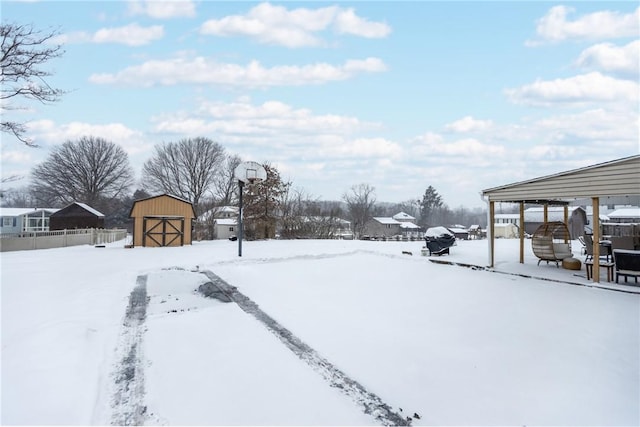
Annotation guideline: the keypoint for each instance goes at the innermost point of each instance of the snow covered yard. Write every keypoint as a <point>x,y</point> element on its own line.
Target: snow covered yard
<point>452,344</point>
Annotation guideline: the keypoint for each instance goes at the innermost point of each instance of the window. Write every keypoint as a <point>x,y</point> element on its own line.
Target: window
<point>7,221</point>
<point>230,228</point>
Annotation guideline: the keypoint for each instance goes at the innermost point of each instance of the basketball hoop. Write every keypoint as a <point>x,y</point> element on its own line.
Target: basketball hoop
<point>250,172</point>
<point>246,173</point>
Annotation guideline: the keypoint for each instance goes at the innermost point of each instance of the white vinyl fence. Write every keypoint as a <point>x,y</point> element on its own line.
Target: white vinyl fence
<point>59,238</point>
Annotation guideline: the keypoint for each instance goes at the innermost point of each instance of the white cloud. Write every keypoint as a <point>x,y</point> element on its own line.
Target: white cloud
<point>365,148</point>
<point>47,131</point>
<point>163,9</point>
<point>276,25</point>
<point>469,124</point>
<point>582,89</point>
<point>624,60</point>
<point>431,145</point>
<point>15,156</point>
<point>598,127</point>
<point>271,119</point>
<point>555,27</point>
<point>347,22</point>
<point>201,70</point>
<point>130,35</point>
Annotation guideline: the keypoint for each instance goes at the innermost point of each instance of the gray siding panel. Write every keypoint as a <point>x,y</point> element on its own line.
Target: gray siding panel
<point>617,178</point>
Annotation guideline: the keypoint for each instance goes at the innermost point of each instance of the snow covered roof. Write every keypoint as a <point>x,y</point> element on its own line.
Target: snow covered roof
<point>24,211</point>
<point>458,230</point>
<point>226,221</point>
<point>402,216</point>
<point>385,220</point>
<point>89,209</point>
<point>409,225</point>
<point>625,213</point>
<point>212,213</point>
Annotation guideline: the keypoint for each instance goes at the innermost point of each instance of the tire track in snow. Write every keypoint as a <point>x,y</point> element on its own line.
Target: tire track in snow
<point>370,403</point>
<point>128,396</point>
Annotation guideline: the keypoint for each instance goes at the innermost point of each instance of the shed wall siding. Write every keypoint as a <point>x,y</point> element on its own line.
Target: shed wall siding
<point>161,206</point>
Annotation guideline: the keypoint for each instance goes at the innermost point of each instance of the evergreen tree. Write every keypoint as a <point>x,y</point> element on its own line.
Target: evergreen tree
<point>430,203</point>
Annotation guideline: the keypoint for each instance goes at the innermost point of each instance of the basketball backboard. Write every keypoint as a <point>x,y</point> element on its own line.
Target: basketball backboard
<point>250,172</point>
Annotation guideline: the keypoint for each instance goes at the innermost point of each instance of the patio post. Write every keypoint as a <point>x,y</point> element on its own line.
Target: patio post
<point>595,201</point>
<point>521,232</point>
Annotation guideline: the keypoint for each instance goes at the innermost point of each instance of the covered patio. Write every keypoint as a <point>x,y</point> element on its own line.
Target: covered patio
<point>597,184</point>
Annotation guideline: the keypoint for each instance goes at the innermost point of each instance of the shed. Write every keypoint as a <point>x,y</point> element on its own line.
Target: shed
<point>599,182</point>
<point>163,220</point>
<point>76,215</point>
<point>505,230</point>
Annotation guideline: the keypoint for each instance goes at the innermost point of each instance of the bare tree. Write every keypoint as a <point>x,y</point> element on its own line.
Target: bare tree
<point>225,183</point>
<point>24,51</point>
<point>360,203</point>
<point>90,170</point>
<point>186,169</point>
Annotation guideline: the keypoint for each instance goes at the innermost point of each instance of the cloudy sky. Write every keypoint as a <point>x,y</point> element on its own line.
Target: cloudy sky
<point>462,96</point>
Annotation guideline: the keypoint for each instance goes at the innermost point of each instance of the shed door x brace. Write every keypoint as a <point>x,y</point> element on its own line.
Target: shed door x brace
<point>163,231</point>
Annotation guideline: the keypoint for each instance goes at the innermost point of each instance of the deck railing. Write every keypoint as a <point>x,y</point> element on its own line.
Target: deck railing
<point>59,238</point>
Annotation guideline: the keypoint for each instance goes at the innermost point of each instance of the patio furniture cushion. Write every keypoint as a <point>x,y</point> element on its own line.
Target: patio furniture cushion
<point>571,264</point>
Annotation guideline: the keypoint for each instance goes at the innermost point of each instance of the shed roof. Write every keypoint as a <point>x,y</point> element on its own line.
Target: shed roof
<point>162,195</point>
<point>619,177</point>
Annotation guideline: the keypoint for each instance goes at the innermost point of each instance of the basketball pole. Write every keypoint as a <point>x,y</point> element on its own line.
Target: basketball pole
<point>240,221</point>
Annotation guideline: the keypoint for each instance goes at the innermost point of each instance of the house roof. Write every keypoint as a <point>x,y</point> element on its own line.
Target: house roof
<point>620,177</point>
<point>386,220</point>
<point>90,209</point>
<point>625,213</point>
<point>85,207</point>
<point>24,211</point>
<point>409,225</point>
<point>226,221</point>
<point>402,216</point>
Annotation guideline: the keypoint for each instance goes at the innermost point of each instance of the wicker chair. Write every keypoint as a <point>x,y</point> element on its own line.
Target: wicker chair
<point>551,242</point>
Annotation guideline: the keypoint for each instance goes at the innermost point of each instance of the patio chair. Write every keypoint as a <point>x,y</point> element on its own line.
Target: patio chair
<point>588,246</point>
<point>622,242</point>
<point>551,242</point>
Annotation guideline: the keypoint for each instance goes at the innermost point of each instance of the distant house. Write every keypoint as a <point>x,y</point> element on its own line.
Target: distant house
<point>505,230</point>
<point>223,228</point>
<point>76,215</point>
<point>459,232</point>
<point>625,215</point>
<point>400,224</point>
<point>18,220</point>
<point>220,222</point>
<point>381,227</point>
<point>508,219</point>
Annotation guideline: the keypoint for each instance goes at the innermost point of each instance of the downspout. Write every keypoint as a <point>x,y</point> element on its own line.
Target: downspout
<point>490,220</point>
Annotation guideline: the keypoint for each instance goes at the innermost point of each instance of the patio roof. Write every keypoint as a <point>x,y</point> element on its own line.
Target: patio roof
<point>615,178</point>
<point>619,177</point>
